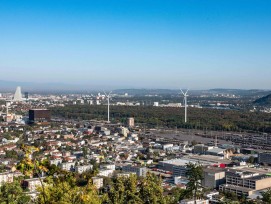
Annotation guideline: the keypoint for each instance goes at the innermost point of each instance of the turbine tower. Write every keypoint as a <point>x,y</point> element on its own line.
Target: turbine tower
<point>185,104</point>
<point>108,105</point>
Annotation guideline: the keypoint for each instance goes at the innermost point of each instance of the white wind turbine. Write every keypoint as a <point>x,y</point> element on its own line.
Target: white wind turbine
<point>185,104</point>
<point>108,105</point>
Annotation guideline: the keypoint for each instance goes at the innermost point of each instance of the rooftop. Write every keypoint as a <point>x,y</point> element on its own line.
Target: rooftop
<point>216,150</point>
<point>238,188</point>
<point>183,162</point>
<point>213,170</point>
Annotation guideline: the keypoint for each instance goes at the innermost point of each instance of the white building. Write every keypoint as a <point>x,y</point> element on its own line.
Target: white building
<point>84,168</point>
<point>67,166</point>
<point>106,172</point>
<point>131,122</point>
<point>179,180</point>
<point>140,171</point>
<point>6,177</point>
<point>97,182</point>
<point>18,95</point>
<point>125,175</point>
<point>193,202</point>
<point>56,162</point>
<point>167,146</point>
<point>32,184</point>
<point>156,104</point>
<point>108,166</point>
<point>124,131</point>
<point>90,102</point>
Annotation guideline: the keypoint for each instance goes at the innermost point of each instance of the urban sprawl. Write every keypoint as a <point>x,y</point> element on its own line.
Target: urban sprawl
<point>109,150</point>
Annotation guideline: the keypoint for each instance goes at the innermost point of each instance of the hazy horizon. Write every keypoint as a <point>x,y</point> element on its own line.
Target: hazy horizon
<point>10,86</point>
<point>137,44</point>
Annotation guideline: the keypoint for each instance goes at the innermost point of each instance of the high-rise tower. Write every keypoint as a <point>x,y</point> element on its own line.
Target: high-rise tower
<point>18,94</point>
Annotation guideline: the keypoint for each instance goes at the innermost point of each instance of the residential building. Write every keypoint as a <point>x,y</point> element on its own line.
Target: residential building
<point>140,171</point>
<point>56,161</point>
<point>125,175</point>
<point>131,122</point>
<point>193,202</point>
<point>108,166</point>
<point>97,182</point>
<point>106,172</point>
<point>245,182</point>
<point>32,184</point>
<point>83,168</point>
<point>6,177</point>
<point>67,166</point>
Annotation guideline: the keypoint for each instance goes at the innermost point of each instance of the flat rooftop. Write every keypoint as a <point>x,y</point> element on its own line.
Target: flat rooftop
<point>255,170</point>
<point>213,170</point>
<point>260,177</point>
<point>39,109</point>
<point>210,158</point>
<point>184,161</point>
<point>238,188</point>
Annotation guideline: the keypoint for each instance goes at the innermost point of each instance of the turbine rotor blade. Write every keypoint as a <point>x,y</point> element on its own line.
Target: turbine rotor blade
<point>105,93</point>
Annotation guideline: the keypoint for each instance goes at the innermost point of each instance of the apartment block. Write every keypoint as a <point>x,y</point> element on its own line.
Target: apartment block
<point>140,171</point>
<point>245,182</point>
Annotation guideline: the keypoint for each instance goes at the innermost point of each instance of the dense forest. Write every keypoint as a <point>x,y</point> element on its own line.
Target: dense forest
<point>211,119</point>
<point>264,101</point>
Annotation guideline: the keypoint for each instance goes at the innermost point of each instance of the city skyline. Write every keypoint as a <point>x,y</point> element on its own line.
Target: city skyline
<point>132,44</point>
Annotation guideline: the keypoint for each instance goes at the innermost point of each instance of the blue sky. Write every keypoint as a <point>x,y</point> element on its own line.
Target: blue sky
<point>137,43</point>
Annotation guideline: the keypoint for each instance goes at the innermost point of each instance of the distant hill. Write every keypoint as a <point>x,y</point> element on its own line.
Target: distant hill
<point>242,92</point>
<point>264,101</point>
<point>143,92</point>
<point>10,86</point>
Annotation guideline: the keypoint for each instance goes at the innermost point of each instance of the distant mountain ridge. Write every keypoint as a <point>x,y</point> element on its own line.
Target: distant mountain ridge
<point>264,101</point>
<point>39,87</point>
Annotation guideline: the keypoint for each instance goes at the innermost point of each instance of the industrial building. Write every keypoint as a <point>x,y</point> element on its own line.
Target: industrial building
<point>178,166</point>
<point>213,177</point>
<point>264,158</point>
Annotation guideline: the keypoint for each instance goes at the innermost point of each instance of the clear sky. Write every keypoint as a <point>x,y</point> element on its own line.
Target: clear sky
<point>197,44</point>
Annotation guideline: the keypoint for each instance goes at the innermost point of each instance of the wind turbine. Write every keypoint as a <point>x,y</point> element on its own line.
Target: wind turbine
<point>108,105</point>
<point>185,104</point>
